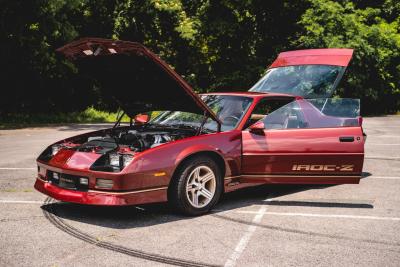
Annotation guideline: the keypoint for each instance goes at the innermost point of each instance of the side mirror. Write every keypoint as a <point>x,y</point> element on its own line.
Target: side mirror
<point>141,119</point>
<point>257,128</point>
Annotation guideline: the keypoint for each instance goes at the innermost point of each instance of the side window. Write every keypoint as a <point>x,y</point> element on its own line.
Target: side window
<point>265,107</point>
<point>289,116</point>
<point>313,113</point>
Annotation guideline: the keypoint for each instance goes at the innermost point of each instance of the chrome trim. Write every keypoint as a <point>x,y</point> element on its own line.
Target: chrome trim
<point>128,192</point>
<point>290,175</point>
<point>113,193</point>
<point>301,153</point>
<point>301,176</point>
<point>232,177</point>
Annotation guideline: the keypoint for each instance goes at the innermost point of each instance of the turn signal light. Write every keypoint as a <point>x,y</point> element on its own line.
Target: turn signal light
<point>104,183</point>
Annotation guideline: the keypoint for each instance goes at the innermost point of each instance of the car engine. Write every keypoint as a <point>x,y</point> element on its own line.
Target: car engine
<point>118,146</point>
<point>133,140</point>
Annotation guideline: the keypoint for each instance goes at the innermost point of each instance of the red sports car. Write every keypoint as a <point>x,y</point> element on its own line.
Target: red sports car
<point>188,149</point>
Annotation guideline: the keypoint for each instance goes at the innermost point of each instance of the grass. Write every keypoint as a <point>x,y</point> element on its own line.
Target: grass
<point>89,115</point>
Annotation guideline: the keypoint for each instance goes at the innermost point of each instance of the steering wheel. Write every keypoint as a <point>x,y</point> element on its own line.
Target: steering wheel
<point>234,119</point>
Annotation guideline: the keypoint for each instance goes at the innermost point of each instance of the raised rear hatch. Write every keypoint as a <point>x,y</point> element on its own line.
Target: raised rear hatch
<point>312,73</point>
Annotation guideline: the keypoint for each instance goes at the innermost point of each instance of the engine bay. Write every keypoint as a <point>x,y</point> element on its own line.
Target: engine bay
<point>118,146</point>
<point>127,139</point>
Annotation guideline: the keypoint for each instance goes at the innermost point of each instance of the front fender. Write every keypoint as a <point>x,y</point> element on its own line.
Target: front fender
<point>196,149</point>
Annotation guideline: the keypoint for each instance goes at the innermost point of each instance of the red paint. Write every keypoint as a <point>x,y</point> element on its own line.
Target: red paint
<point>272,152</point>
<point>249,157</point>
<point>327,56</point>
<point>100,198</point>
<point>276,151</point>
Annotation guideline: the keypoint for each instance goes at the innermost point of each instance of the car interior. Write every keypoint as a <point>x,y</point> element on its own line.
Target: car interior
<point>265,107</point>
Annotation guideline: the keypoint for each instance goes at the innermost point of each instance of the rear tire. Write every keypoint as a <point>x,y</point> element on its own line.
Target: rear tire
<point>196,186</point>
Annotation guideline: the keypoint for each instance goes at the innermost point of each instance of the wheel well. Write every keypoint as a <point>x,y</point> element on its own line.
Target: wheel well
<point>213,155</point>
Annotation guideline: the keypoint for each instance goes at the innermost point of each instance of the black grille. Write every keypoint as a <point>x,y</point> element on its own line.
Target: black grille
<point>66,181</point>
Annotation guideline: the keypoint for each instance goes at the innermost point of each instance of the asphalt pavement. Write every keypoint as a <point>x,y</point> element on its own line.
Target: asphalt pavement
<point>347,225</point>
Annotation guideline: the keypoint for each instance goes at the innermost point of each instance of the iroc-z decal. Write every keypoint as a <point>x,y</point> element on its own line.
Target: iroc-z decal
<point>327,168</point>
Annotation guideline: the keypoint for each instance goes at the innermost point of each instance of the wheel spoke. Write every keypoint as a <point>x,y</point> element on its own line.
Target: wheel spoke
<point>196,174</point>
<point>195,198</point>
<point>207,194</point>
<point>189,188</point>
<point>205,178</point>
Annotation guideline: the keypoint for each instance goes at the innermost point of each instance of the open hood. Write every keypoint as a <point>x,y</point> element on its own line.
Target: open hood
<point>134,76</point>
<point>313,73</point>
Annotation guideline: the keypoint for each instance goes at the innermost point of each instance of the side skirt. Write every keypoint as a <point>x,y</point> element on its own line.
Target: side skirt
<point>247,180</point>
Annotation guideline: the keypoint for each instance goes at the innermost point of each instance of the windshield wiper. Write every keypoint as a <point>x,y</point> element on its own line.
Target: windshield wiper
<point>184,126</point>
<point>178,126</point>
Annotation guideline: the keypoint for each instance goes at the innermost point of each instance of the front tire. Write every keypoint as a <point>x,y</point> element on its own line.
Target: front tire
<point>196,186</point>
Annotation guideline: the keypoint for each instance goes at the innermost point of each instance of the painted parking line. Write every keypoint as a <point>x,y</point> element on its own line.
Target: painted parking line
<point>383,158</point>
<point>244,240</point>
<point>383,177</point>
<point>6,201</point>
<point>378,144</point>
<point>335,216</point>
<point>15,169</point>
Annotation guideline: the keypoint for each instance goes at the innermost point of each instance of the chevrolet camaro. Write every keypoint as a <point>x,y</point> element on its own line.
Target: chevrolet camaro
<point>189,149</point>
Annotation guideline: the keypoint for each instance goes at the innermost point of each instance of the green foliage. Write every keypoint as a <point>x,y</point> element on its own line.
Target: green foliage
<point>213,44</point>
<point>89,115</point>
<point>374,72</point>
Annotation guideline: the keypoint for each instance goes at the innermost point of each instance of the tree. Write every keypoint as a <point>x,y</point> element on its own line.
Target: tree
<point>374,74</point>
<point>213,44</point>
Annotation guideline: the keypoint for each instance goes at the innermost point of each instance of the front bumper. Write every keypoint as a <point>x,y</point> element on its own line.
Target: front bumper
<point>104,198</point>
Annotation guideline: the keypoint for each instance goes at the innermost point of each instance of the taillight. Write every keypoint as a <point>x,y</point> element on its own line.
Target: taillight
<point>360,121</point>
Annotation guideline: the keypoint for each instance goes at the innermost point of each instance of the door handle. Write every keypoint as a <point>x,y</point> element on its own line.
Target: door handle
<point>346,138</point>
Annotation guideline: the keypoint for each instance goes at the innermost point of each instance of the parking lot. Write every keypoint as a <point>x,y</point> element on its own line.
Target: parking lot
<point>260,226</point>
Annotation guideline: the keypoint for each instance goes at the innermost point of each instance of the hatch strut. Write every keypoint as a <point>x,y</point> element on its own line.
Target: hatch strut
<point>202,123</point>
<point>119,120</point>
<point>206,116</point>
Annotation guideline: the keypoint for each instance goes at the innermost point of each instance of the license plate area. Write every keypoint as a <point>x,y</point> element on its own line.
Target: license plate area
<point>67,181</point>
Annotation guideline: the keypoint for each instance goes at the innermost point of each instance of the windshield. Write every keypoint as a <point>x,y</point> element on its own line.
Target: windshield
<point>229,109</point>
<point>308,81</point>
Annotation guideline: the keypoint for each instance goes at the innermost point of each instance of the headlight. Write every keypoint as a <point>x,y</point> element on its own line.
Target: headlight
<point>126,159</point>
<point>55,149</point>
<point>120,160</point>
<point>114,159</point>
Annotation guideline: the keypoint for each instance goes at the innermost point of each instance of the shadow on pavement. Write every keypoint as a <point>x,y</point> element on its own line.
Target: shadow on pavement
<point>153,214</point>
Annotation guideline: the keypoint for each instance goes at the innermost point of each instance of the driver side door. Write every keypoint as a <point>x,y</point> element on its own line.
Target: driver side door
<point>299,144</point>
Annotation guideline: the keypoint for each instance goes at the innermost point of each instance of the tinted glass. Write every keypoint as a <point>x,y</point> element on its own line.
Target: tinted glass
<point>315,113</point>
<point>309,81</point>
<point>229,109</point>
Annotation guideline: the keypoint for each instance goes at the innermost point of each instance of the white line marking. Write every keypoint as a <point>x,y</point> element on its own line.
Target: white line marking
<point>383,158</point>
<point>20,202</point>
<point>324,215</point>
<point>383,177</point>
<point>13,169</point>
<point>384,135</point>
<point>375,144</point>
<point>240,247</point>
